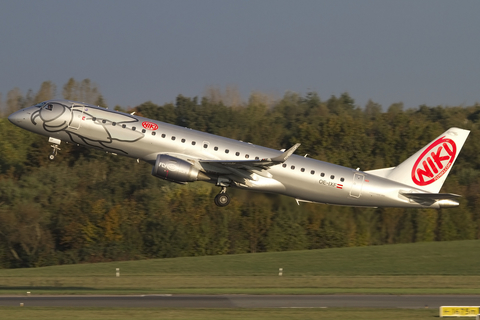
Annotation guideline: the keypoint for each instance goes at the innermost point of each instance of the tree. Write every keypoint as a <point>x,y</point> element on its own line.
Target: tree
<point>287,231</point>
<point>425,225</point>
<point>24,231</point>
<point>14,100</point>
<point>83,91</point>
<point>45,217</point>
<point>231,97</point>
<point>2,111</point>
<point>46,92</point>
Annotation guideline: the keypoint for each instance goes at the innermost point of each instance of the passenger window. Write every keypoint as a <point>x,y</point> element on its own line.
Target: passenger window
<point>216,148</point>
<point>143,130</point>
<point>114,124</point>
<point>134,128</point>
<point>332,177</point>
<point>247,156</point>
<point>237,153</point>
<point>163,135</point>
<point>104,121</point>
<point>173,138</point>
<point>205,145</point>
<point>312,172</point>
<point>257,158</point>
<point>227,151</point>
<point>342,179</point>
<point>123,125</point>
<point>193,143</point>
<point>95,119</point>
<point>284,165</point>
<point>183,140</point>
<point>292,167</point>
<point>303,169</point>
<point>322,174</point>
<point>153,133</point>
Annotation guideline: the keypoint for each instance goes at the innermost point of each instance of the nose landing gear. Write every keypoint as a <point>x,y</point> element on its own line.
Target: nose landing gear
<point>54,151</point>
<point>55,147</point>
<point>222,199</point>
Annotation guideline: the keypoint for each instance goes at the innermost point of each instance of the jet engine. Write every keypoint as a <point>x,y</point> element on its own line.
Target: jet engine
<point>176,170</point>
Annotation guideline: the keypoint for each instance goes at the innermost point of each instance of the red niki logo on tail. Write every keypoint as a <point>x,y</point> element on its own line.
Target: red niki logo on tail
<point>434,162</point>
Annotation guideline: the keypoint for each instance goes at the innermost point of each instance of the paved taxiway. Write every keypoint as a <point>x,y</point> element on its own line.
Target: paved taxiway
<point>245,301</point>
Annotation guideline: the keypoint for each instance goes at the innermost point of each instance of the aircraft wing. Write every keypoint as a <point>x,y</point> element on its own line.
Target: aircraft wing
<point>242,172</point>
<point>253,164</point>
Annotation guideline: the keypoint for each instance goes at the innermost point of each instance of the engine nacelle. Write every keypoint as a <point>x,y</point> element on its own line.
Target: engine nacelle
<point>175,169</point>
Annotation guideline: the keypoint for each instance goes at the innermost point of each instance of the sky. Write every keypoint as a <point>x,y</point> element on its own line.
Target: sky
<point>411,51</point>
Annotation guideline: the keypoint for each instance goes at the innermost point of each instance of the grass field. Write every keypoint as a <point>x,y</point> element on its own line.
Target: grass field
<point>420,268</point>
<point>431,267</point>
<point>19,313</point>
<point>434,267</point>
<point>425,258</point>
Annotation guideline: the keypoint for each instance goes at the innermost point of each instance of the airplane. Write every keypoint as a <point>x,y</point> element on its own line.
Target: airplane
<point>184,155</point>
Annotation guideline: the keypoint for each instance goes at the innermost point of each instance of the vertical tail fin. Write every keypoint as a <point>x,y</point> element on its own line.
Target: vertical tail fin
<point>428,168</point>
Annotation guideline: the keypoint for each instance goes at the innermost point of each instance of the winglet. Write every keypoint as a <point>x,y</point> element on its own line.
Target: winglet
<point>284,156</point>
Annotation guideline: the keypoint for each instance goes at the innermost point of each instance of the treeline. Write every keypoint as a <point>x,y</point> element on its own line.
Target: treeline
<point>88,206</point>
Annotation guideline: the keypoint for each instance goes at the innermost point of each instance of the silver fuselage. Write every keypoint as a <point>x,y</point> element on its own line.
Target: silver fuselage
<point>302,178</point>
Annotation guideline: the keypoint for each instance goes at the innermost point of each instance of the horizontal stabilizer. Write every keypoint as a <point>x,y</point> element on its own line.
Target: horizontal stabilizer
<point>435,200</point>
<point>431,196</point>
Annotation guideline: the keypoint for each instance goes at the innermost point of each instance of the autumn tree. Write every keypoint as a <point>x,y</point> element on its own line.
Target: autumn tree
<point>83,91</point>
<point>47,91</point>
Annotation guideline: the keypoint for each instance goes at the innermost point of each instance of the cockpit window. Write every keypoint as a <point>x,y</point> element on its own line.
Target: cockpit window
<point>48,106</point>
<point>41,104</point>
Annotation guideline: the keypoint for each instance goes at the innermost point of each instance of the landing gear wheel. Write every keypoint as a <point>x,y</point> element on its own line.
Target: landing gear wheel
<point>222,199</point>
<point>51,157</point>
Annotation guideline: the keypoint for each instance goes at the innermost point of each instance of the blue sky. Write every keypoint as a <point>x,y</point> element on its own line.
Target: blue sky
<point>415,52</point>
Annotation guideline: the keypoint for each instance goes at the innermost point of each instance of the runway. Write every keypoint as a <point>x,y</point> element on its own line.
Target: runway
<point>245,301</point>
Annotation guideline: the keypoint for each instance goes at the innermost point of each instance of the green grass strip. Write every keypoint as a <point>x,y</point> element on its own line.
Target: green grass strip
<point>20,313</point>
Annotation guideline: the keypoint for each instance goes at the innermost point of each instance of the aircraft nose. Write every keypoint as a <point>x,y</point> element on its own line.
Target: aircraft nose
<point>17,117</point>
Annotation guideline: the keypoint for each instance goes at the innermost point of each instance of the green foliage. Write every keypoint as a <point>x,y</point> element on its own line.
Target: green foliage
<point>89,206</point>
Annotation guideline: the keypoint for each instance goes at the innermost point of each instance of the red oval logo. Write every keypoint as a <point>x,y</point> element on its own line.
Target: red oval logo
<point>434,162</point>
<point>149,125</point>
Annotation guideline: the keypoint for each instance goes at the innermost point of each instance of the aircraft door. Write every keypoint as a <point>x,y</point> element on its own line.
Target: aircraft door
<point>357,185</point>
<point>77,116</point>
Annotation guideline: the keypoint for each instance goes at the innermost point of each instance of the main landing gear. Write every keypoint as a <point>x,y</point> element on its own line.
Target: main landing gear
<point>222,199</point>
